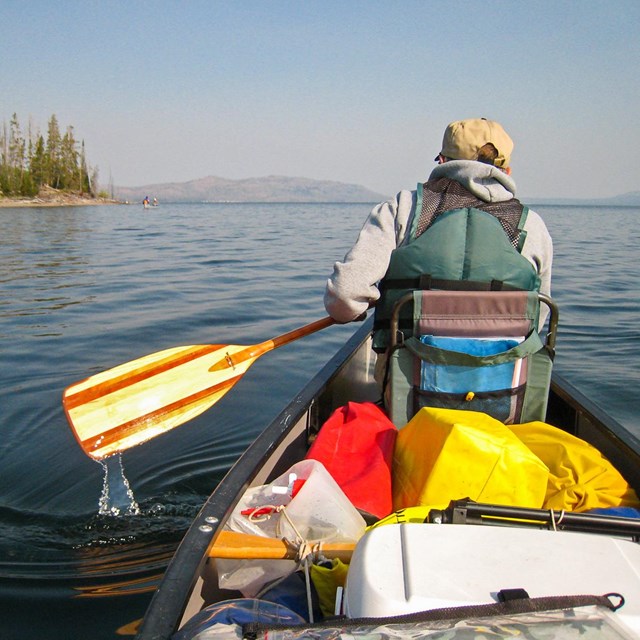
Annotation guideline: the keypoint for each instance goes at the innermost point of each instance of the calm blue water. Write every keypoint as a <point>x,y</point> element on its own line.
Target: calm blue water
<point>84,289</point>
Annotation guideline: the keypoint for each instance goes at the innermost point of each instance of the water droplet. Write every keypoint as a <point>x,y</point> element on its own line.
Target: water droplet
<point>117,497</point>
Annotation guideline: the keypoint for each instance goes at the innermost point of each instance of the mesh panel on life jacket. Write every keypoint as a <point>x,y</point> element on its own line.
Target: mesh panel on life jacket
<point>444,194</point>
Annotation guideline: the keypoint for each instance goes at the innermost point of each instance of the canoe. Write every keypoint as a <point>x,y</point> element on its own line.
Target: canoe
<point>191,581</point>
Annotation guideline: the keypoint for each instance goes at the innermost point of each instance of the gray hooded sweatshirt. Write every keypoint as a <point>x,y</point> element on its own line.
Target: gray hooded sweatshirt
<point>352,287</point>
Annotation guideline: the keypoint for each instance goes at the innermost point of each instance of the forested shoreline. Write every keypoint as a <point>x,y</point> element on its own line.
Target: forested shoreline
<point>31,161</point>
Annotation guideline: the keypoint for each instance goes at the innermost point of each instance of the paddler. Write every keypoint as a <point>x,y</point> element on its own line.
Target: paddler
<point>473,173</point>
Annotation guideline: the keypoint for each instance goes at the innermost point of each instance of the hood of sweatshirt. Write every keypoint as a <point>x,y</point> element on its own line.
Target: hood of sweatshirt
<point>486,182</point>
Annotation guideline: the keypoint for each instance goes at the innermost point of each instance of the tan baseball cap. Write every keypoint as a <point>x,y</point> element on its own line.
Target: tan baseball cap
<point>464,138</point>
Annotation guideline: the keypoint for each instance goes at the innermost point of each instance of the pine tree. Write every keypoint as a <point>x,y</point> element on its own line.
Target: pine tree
<point>85,183</point>
<point>38,164</point>
<point>69,177</point>
<point>26,164</point>
<point>4,154</point>
<point>17,155</point>
<point>54,142</point>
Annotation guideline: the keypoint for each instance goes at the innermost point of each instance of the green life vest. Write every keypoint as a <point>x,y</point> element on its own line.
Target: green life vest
<point>463,249</point>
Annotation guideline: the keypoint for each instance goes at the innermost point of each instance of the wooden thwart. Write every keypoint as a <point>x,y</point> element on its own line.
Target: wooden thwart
<point>243,546</point>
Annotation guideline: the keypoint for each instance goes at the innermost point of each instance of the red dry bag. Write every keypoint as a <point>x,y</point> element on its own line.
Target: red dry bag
<point>356,446</point>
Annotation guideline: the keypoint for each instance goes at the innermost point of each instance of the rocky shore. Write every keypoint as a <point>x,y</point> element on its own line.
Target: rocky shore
<point>49,197</point>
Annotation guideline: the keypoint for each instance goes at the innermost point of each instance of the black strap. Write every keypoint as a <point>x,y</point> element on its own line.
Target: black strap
<point>508,607</point>
<point>404,324</point>
<point>425,282</point>
<point>504,595</point>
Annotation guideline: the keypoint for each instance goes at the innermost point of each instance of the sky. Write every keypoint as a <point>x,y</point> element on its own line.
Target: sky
<point>353,91</point>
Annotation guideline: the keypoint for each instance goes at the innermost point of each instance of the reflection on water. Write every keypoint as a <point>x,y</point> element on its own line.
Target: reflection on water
<point>83,545</point>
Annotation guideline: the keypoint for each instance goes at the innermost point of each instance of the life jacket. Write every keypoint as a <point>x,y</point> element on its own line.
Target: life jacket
<point>455,242</point>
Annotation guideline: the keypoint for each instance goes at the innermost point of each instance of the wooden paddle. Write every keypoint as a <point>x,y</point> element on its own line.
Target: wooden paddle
<point>125,406</point>
<point>242,546</point>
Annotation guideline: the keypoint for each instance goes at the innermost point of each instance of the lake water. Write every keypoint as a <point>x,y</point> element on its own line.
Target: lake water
<point>84,289</point>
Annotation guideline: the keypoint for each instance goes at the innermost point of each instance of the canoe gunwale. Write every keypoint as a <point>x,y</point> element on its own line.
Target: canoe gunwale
<point>574,412</point>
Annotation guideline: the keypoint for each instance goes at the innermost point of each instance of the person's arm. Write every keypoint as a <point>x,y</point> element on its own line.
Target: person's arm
<point>538,249</point>
<point>352,289</point>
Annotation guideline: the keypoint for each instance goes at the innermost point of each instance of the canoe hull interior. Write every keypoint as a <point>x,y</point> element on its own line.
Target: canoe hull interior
<point>191,580</point>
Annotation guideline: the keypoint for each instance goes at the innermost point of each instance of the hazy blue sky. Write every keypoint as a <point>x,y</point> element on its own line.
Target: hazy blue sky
<point>353,91</point>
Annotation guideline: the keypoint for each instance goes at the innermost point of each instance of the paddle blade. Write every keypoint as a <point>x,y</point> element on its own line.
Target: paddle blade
<point>123,407</point>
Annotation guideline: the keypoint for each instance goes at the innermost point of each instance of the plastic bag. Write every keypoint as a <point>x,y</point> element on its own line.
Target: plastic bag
<point>223,620</point>
<point>315,509</point>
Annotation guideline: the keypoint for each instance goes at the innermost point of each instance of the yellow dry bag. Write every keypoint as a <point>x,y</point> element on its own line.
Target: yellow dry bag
<point>580,477</point>
<point>449,454</point>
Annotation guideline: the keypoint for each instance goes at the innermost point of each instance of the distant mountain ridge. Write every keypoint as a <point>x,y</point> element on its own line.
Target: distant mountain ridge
<point>266,189</point>
<point>276,188</point>
<point>630,199</point>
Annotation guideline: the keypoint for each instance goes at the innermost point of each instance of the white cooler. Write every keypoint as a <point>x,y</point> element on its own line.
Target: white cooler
<point>406,568</point>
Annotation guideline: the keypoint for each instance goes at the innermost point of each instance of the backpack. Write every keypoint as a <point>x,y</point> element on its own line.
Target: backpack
<point>471,350</point>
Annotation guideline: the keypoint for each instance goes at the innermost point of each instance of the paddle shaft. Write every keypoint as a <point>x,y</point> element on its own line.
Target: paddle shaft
<point>257,350</point>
